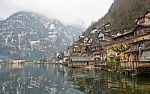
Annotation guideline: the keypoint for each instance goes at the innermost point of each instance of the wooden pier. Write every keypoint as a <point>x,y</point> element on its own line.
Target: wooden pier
<point>138,68</point>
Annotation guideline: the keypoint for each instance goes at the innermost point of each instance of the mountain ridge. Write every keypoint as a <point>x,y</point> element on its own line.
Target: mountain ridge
<point>33,36</point>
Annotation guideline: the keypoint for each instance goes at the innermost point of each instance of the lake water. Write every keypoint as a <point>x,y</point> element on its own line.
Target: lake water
<point>57,79</point>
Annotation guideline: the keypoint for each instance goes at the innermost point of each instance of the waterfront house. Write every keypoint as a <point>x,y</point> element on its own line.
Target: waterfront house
<point>75,49</point>
<point>17,61</point>
<point>81,61</point>
<point>116,56</point>
<point>139,52</point>
<point>66,57</point>
<point>117,43</point>
<point>137,56</point>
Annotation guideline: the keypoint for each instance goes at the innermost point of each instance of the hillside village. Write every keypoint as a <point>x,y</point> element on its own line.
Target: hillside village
<point>60,54</point>
<point>128,52</point>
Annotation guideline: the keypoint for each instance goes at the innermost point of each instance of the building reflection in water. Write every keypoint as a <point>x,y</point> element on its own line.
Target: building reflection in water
<point>101,82</point>
<point>57,79</point>
<point>17,66</point>
<point>11,66</point>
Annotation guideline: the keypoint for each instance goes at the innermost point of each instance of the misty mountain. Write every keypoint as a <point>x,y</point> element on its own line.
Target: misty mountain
<point>33,36</point>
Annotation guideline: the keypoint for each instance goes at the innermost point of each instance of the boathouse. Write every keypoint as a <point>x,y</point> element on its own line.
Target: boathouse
<point>81,61</point>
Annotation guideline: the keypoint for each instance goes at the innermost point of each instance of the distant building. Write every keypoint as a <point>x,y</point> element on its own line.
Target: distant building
<point>18,61</point>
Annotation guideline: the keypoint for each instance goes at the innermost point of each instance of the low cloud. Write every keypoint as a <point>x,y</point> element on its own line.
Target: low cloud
<point>71,11</point>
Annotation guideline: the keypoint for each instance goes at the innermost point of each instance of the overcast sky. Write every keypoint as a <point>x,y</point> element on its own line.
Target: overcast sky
<point>71,11</point>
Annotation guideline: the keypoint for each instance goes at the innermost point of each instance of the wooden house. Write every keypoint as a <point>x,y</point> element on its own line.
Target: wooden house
<point>81,61</point>
<point>144,20</point>
<point>142,28</point>
<point>117,41</point>
<point>137,57</point>
<point>139,52</point>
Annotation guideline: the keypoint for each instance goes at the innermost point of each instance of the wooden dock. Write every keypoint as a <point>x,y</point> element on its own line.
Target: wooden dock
<point>136,69</point>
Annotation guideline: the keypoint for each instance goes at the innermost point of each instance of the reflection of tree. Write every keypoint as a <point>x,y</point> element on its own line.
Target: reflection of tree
<point>89,81</point>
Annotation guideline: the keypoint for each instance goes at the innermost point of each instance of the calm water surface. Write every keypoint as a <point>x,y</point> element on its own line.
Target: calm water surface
<point>57,79</point>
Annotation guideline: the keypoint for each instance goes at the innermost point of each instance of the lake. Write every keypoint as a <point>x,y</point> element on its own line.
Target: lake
<point>58,79</point>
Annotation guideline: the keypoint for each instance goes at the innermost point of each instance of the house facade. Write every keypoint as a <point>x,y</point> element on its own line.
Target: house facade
<point>138,40</point>
<point>139,52</point>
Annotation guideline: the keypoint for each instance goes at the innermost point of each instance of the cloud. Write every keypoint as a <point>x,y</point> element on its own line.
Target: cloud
<point>65,10</point>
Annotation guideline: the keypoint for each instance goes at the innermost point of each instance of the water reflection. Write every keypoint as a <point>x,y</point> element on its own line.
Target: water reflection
<point>102,82</point>
<point>57,79</point>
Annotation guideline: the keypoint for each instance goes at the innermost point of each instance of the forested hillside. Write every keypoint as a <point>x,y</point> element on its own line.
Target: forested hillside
<point>122,15</point>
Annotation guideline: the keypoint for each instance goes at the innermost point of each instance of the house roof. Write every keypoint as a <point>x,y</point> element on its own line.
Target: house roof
<point>142,16</point>
<point>79,59</point>
<point>126,33</point>
<point>142,25</point>
<point>129,32</point>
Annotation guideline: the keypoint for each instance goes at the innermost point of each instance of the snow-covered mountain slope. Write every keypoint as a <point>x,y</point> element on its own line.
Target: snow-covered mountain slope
<point>32,36</point>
